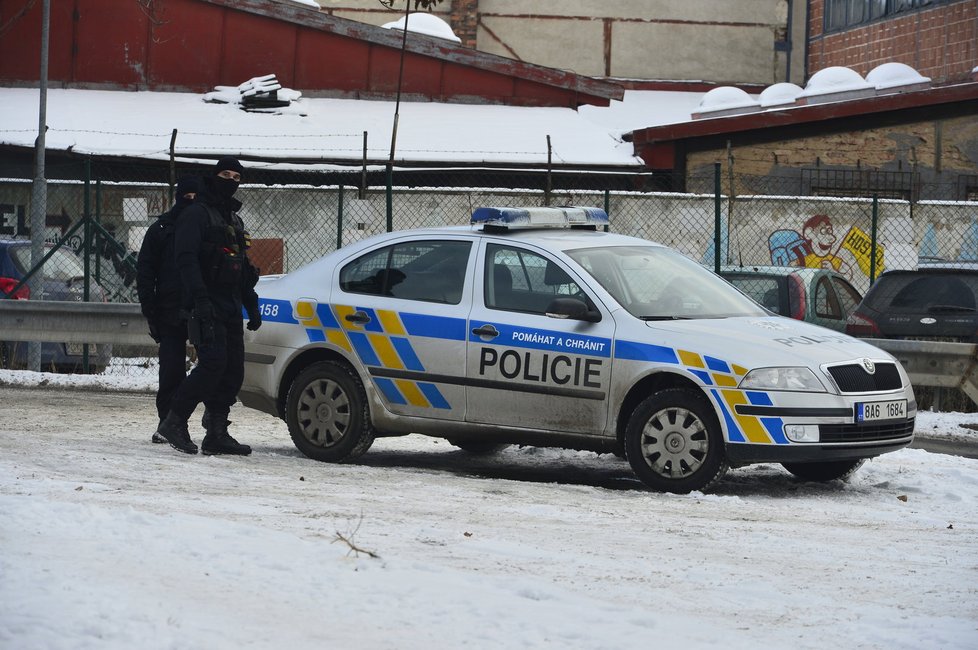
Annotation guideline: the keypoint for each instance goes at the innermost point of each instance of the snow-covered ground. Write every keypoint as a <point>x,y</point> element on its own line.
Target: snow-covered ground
<point>109,541</point>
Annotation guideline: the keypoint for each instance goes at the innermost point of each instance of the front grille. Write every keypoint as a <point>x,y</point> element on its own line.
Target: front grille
<point>865,432</point>
<point>853,378</point>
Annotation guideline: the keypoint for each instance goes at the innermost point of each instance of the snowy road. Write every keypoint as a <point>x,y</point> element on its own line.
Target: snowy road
<point>108,541</point>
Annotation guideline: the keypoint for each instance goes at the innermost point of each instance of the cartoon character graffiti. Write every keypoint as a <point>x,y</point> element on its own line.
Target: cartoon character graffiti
<point>817,246</point>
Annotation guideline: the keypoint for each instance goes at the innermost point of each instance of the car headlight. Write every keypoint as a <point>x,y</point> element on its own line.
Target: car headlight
<point>798,379</point>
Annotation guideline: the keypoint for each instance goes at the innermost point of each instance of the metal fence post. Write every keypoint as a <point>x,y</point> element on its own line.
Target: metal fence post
<point>390,198</point>
<point>872,239</point>
<point>607,207</point>
<point>98,220</point>
<point>716,217</point>
<point>339,220</point>
<point>87,250</point>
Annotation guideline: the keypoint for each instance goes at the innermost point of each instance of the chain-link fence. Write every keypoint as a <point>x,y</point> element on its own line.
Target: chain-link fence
<point>809,246</point>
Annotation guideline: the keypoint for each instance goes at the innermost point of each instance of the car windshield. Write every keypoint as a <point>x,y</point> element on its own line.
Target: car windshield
<point>655,283</point>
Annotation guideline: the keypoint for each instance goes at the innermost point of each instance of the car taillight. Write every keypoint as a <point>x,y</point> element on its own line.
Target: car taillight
<point>797,297</point>
<point>859,325</point>
<point>7,285</point>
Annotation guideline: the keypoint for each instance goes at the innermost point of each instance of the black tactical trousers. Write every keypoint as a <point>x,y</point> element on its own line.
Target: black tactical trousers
<point>173,363</point>
<point>217,377</point>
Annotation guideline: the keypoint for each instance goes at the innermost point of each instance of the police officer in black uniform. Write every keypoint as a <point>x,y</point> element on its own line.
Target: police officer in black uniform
<point>158,288</point>
<point>217,281</point>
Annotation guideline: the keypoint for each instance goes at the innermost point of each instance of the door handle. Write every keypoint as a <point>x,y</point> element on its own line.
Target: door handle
<point>359,317</point>
<point>486,330</point>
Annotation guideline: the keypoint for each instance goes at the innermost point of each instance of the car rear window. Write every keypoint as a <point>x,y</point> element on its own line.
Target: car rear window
<point>914,292</point>
<point>765,290</point>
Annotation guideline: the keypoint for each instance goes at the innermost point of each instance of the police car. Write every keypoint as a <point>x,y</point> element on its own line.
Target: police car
<point>537,327</point>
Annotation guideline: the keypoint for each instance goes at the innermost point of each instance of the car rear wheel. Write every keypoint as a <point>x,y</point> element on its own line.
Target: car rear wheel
<point>479,448</point>
<point>825,471</point>
<point>673,442</point>
<point>327,413</point>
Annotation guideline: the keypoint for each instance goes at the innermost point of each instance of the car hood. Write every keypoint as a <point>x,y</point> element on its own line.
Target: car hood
<point>755,342</point>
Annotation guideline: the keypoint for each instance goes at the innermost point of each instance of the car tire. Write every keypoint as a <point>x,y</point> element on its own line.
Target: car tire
<point>825,471</point>
<point>673,442</point>
<point>327,413</point>
<point>479,448</point>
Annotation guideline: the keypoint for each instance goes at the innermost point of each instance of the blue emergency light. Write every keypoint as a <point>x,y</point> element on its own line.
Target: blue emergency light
<point>563,217</point>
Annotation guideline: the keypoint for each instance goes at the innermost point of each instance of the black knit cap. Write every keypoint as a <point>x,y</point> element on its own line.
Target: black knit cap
<point>188,184</point>
<point>228,163</point>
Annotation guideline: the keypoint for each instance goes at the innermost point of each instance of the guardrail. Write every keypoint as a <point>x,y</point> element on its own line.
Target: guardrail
<point>73,322</point>
<point>934,363</point>
<point>929,363</point>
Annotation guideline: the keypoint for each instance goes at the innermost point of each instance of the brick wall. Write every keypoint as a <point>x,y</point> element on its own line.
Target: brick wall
<point>940,43</point>
<point>464,19</point>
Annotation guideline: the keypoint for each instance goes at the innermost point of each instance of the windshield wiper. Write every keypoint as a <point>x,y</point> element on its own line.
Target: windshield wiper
<point>949,308</point>
<point>652,318</point>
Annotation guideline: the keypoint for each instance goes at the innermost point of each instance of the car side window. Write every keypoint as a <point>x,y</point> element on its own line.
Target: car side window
<point>520,280</point>
<point>848,296</point>
<point>431,271</point>
<point>826,302</point>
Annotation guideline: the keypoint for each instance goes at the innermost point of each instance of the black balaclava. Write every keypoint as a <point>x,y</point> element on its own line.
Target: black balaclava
<point>226,187</point>
<point>186,185</point>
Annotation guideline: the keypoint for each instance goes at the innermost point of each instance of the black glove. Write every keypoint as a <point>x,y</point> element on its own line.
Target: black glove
<point>254,319</point>
<point>154,331</point>
<point>203,308</point>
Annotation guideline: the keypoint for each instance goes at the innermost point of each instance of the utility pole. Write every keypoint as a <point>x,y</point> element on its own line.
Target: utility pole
<point>39,191</point>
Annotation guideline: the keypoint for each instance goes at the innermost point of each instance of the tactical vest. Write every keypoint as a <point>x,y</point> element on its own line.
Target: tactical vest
<point>222,251</point>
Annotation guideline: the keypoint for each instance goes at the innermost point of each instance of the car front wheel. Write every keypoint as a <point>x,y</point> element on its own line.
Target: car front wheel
<point>327,413</point>
<point>673,442</point>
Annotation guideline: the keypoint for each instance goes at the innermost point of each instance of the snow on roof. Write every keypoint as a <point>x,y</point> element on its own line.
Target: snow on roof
<point>893,75</point>
<point>642,108</point>
<point>427,24</point>
<point>139,124</point>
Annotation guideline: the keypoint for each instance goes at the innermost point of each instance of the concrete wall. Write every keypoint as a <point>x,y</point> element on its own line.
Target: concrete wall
<point>729,42</point>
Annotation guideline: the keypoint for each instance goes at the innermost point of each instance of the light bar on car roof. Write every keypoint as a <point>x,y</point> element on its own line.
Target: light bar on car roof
<point>564,217</point>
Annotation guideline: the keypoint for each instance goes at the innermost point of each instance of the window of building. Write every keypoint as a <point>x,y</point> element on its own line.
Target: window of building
<point>859,183</point>
<point>843,14</point>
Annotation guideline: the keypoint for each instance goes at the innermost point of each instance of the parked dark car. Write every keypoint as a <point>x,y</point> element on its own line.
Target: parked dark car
<point>936,302</point>
<point>818,296</point>
<point>64,278</point>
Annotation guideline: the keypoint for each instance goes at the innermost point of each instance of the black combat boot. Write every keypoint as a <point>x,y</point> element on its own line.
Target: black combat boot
<point>218,441</point>
<point>174,430</point>
<point>157,438</point>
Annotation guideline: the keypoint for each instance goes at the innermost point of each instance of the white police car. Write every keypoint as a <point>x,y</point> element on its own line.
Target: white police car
<point>533,326</point>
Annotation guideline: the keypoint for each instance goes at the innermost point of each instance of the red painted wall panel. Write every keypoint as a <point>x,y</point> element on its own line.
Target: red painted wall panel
<point>20,52</point>
<point>197,44</point>
<point>460,81</point>
<point>254,46</point>
<point>185,48</point>
<point>118,59</point>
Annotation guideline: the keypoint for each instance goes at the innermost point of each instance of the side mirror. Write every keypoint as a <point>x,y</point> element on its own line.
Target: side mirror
<point>572,308</point>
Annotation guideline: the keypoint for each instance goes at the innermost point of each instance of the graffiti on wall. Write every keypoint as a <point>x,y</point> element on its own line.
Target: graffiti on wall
<point>818,245</point>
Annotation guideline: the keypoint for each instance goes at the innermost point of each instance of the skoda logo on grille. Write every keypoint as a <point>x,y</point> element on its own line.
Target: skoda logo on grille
<point>869,366</point>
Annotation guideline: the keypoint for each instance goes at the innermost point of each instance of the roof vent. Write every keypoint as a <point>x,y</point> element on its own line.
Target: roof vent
<point>896,77</point>
<point>835,84</point>
<point>779,94</point>
<point>724,101</point>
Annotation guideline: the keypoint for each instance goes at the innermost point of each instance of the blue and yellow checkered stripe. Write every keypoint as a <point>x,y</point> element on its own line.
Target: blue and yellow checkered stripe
<point>722,379</point>
<point>382,342</point>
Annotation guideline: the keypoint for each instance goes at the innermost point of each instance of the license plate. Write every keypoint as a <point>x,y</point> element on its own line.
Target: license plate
<point>892,410</point>
<point>75,349</point>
